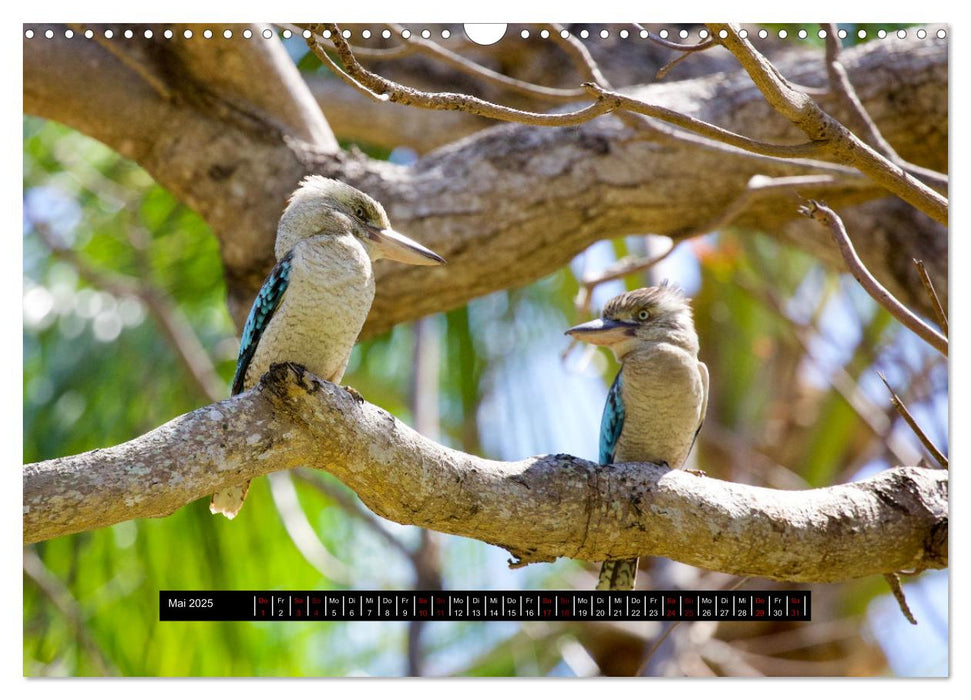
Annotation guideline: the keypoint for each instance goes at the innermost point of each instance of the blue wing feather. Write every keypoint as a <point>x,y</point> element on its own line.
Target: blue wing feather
<point>612,422</point>
<point>267,301</point>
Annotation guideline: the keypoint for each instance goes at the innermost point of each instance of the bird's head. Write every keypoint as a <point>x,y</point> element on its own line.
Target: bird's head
<point>641,317</point>
<point>324,207</point>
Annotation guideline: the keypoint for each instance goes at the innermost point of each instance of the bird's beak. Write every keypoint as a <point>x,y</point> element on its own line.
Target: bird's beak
<point>602,331</point>
<point>392,245</point>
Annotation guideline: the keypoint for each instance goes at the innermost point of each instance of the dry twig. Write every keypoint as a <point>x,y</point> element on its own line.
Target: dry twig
<point>826,216</point>
<point>460,63</point>
<point>383,89</point>
<point>844,92</point>
<point>914,425</point>
<point>894,581</point>
<point>826,132</point>
<point>935,301</point>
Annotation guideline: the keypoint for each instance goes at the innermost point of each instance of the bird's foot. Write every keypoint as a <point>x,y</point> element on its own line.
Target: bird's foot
<point>355,394</point>
<point>696,472</point>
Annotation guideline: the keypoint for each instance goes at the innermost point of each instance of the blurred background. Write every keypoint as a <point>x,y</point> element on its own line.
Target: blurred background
<point>125,326</point>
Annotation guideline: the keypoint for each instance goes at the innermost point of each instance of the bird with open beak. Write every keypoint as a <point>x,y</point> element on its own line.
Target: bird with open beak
<point>658,400</point>
<point>313,304</point>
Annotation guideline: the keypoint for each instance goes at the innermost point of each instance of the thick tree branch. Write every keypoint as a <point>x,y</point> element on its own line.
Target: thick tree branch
<point>539,508</point>
<point>513,203</point>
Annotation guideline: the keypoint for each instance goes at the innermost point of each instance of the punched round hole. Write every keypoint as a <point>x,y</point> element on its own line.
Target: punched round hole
<point>247,34</point>
<point>227,34</point>
<point>29,34</point>
<point>267,33</point>
<point>207,34</point>
<point>485,34</point>
<point>366,34</point>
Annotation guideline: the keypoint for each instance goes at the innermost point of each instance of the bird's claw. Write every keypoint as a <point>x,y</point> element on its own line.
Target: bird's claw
<point>355,394</point>
<point>696,472</point>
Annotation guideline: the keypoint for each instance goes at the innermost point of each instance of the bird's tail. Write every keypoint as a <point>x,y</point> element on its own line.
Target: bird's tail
<point>229,501</point>
<point>617,575</point>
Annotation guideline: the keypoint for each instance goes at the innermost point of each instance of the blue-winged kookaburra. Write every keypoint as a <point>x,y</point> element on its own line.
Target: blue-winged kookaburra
<point>313,304</point>
<point>657,403</point>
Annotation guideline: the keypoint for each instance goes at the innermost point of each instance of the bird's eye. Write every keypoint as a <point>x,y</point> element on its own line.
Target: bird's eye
<point>643,315</point>
<point>359,212</point>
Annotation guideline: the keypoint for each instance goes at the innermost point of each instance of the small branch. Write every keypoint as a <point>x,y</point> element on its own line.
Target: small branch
<point>809,149</point>
<point>914,425</point>
<point>387,90</point>
<point>580,56</point>
<point>894,581</point>
<point>537,508</point>
<point>464,65</point>
<point>826,216</point>
<point>842,89</point>
<point>685,49</point>
<point>845,94</point>
<point>616,271</point>
<point>932,294</point>
<point>825,131</point>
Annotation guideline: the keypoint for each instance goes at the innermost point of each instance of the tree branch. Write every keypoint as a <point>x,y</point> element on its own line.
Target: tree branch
<point>829,133</point>
<point>538,508</point>
<point>829,218</point>
<point>513,203</point>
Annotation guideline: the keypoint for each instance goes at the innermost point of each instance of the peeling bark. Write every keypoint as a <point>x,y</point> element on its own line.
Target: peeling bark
<point>538,508</point>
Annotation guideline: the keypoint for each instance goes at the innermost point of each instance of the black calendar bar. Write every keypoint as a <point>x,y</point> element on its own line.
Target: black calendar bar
<point>339,606</point>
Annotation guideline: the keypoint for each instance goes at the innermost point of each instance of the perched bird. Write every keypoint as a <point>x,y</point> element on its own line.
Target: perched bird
<point>657,403</point>
<point>313,304</point>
